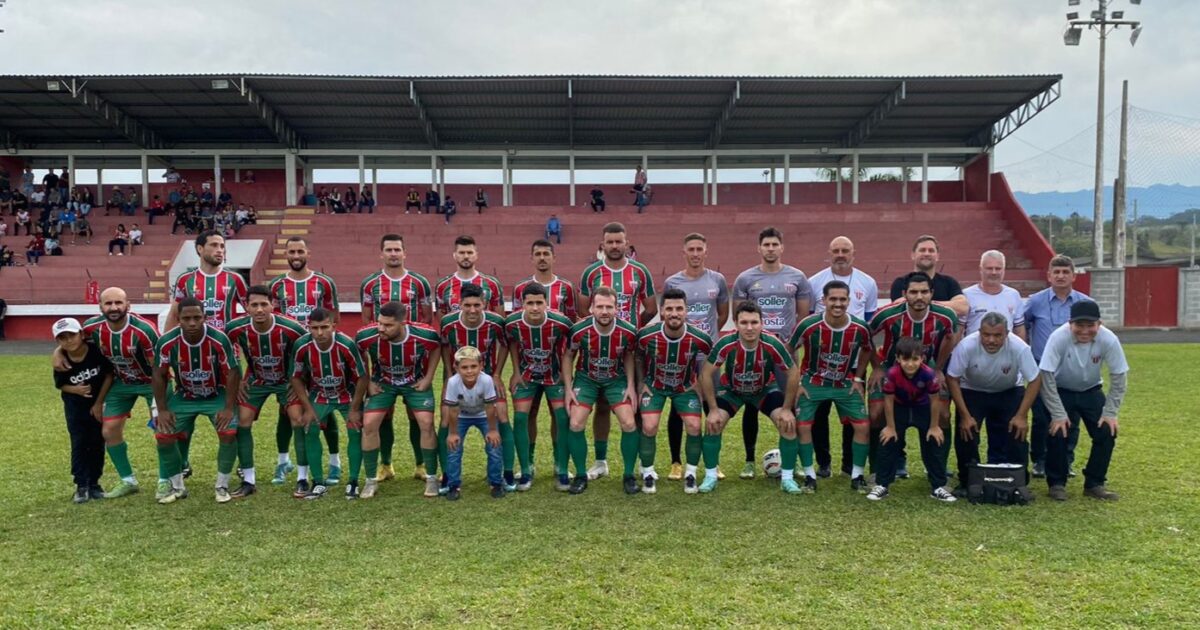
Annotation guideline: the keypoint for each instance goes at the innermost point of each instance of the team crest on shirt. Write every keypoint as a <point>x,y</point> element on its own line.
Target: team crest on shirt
<point>858,295</point>
<point>1096,358</point>
<point>713,293</point>
<point>789,287</point>
<point>1005,368</point>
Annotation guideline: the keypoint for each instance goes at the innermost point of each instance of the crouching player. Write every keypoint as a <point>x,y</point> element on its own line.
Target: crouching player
<point>470,401</point>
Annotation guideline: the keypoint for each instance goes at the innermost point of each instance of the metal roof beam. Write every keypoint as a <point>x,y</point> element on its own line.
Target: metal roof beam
<point>269,116</point>
<point>427,126</point>
<point>571,117</point>
<point>130,127</point>
<point>991,135</point>
<point>863,128</point>
<point>714,138</point>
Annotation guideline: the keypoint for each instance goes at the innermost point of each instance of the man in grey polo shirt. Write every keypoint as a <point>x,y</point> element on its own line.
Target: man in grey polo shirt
<point>1073,391</point>
<point>993,378</point>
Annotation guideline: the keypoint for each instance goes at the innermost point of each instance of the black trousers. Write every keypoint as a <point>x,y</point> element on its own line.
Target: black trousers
<point>1082,408</point>
<point>932,455</point>
<point>1039,430</point>
<point>992,411</point>
<point>87,446</point>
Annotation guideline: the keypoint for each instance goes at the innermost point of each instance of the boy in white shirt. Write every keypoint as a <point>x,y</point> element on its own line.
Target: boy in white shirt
<point>469,401</point>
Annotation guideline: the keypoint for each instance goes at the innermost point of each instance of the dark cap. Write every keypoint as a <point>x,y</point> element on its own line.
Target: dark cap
<point>1085,311</point>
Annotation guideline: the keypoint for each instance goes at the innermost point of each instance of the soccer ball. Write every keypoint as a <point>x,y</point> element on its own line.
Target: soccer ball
<point>772,463</point>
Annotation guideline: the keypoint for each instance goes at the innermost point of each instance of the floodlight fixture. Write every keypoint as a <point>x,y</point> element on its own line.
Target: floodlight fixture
<point>53,86</point>
<point>1072,35</point>
<point>1135,1</point>
<point>1133,37</point>
<point>1118,15</point>
<point>1072,3</point>
<point>1074,15</point>
<point>1097,15</point>
<point>220,84</point>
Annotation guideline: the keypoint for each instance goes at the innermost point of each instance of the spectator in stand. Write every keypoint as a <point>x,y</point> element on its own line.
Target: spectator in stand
<point>335,202</point>
<point>631,254</point>
<point>206,218</point>
<point>224,199</point>
<point>135,236</point>
<point>52,246</point>
<point>239,217</point>
<point>643,198</point>
<point>248,177</point>
<point>349,199</point>
<point>54,198</point>
<point>191,201</point>
<point>207,199</point>
<point>554,228</point>
<point>132,203</point>
<point>120,239</point>
<point>251,216</point>
<point>68,221</point>
<point>116,201</point>
<point>223,221</point>
<point>6,201</point>
<point>412,199</point>
<point>86,201</point>
<point>35,249</point>
<point>83,228</point>
<point>27,181</point>
<point>366,199</point>
<point>19,202</point>
<point>323,200</point>
<point>182,218</point>
<point>37,201</point>
<point>174,198</point>
<point>6,259</point>
<point>49,181</point>
<point>64,185</point>
<point>433,200</point>
<point>156,209</point>
<point>481,200</point>
<point>639,179</point>
<point>23,220</point>
<point>3,226</point>
<point>450,208</point>
<point>171,175</point>
<point>598,202</point>
<point>54,219</point>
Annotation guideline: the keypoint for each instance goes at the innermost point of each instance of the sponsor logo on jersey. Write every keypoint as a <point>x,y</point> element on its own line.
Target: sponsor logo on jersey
<point>772,301</point>
<point>300,311</point>
<point>328,382</point>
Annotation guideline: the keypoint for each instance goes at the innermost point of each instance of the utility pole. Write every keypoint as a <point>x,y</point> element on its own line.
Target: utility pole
<point>1120,188</point>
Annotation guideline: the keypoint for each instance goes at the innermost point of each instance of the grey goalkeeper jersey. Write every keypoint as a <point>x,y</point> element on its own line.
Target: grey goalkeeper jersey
<point>776,294</point>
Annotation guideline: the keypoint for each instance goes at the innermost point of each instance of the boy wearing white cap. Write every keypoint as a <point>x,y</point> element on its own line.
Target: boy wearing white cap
<point>87,373</point>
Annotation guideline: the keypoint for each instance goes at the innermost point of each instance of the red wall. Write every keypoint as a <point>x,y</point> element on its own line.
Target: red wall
<point>1026,233</point>
<point>975,179</point>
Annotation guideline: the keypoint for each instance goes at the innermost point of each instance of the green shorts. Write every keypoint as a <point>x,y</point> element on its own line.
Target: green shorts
<point>849,405</point>
<point>588,391</point>
<point>737,400</point>
<point>527,391</point>
<point>121,398</point>
<point>685,403</point>
<point>186,410</point>
<point>413,399</point>
<point>325,412</point>
<point>257,395</point>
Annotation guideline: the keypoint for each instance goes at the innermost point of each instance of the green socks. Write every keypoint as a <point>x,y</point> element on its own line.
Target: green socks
<point>693,446</point>
<point>787,452</point>
<point>331,436</point>
<point>226,454</point>
<point>806,454</point>
<point>312,444</point>
<point>356,453</point>
<point>185,447</point>
<point>712,450</point>
<point>649,444</point>
<point>561,452</point>
<point>245,447</point>
<point>170,462</point>
<point>430,455</point>
<point>602,448</point>
<point>577,444</point>
<point>119,454</point>
<point>443,450</point>
<point>387,439</point>
<point>630,442</point>
<point>301,449</point>
<point>371,462</point>
<point>520,429</point>
<point>859,453</point>
<point>283,434</point>
<point>508,450</point>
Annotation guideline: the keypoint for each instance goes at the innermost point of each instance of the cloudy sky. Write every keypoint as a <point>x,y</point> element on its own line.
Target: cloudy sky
<point>742,37</point>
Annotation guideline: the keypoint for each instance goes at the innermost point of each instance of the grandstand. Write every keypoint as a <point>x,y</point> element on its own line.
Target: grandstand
<point>212,127</point>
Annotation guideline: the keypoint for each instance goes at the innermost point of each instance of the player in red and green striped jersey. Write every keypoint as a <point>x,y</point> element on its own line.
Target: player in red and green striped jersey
<point>446,293</point>
<point>394,283</point>
<point>219,290</point>
<point>328,377</point>
<point>207,380</point>
<point>606,347</point>
<point>748,357</point>
<point>296,293</point>
<point>667,371</point>
<point>404,357</point>
<point>266,340</point>
<point>536,338</point>
<point>484,330</point>
<point>634,288</point>
<point>836,350</point>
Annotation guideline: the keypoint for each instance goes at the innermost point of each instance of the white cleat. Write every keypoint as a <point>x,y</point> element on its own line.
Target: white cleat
<point>598,470</point>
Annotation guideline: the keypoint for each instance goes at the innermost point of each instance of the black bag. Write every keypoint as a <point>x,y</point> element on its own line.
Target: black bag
<point>998,484</point>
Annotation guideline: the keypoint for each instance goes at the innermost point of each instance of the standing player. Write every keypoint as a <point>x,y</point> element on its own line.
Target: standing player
<point>395,283</point>
<point>267,341</point>
<point>324,365</point>
<point>864,301</point>
<point>537,337</point>
<point>606,345</point>
<point>667,371</point>
<point>404,357</point>
<point>749,357</point>
<point>448,290</point>
<point>991,295</point>
<point>783,296</point>
<point>634,287</point>
<point>296,293</point>
<point>207,380</point>
<point>218,290</point>
<point>837,349</point>
<point>707,309</point>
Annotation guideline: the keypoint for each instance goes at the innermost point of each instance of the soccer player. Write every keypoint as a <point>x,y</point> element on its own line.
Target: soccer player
<point>837,349</point>
<point>470,401</point>
<point>707,309</point>
<point>207,380</point>
<point>864,301</point>
<point>296,293</point>
<point>324,366</point>
<point>634,287</point>
<point>395,283</point>
<point>86,373</point>
<point>218,290</point>
<point>1073,391</point>
<point>783,296</point>
<point>448,289</point>
<point>991,295</point>
<point>537,337</point>
<point>605,345</point>
<point>404,357</point>
<point>267,341</point>
<point>992,377</point>
<point>748,357</point>
<point>484,330</point>
<point>667,370</point>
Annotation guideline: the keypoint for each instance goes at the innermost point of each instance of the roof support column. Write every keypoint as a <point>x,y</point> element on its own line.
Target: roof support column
<point>505,193</point>
<point>903,184</point>
<point>924,178</point>
<point>787,179</point>
<point>362,174</point>
<point>99,187</point>
<point>289,178</point>
<point>217,175</point>
<point>838,179</point>
<point>308,177</point>
<point>145,181</point>
<point>442,180</point>
<point>714,179</point>
<point>375,186</point>
<point>432,171</point>
<point>854,179</point>
<point>70,175</point>
<point>772,185</point>
<point>571,168</point>
<point>704,186</point>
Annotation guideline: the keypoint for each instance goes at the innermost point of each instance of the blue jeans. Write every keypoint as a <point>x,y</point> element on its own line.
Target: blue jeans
<point>454,459</point>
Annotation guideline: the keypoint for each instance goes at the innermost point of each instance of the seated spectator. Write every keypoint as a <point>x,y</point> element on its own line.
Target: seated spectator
<point>116,201</point>
<point>6,202</point>
<point>350,199</point>
<point>6,256</point>
<point>86,201</point>
<point>251,216</point>
<point>171,175</point>
<point>597,199</point>
<point>239,217</point>
<point>450,208</point>
<point>19,202</point>
<point>132,203</point>
<point>157,208</point>
<point>83,228</point>
<point>64,185</point>
<point>191,201</point>
<point>412,200</point>
<point>224,199</point>
<point>433,201</point>
<point>23,221</point>
<point>554,228</point>
<point>174,198</point>
<point>3,226</point>
<point>207,199</point>
<point>37,200</point>
<point>642,198</point>
<point>481,200</point>
<point>67,221</point>
<point>185,218</point>
<point>35,249</point>
<point>52,246</point>
<point>632,253</point>
<point>335,202</point>
<point>223,223</point>
<point>27,181</point>
<point>54,197</point>
<point>366,199</point>
<point>53,218</point>
<point>205,219</point>
<point>119,240</point>
<point>323,200</point>
<point>135,236</point>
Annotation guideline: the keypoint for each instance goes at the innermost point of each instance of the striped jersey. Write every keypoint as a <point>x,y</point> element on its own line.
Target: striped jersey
<point>895,323</point>
<point>669,365</point>
<point>328,374</point>
<point>602,356</point>
<point>749,370</point>
<point>539,348</point>
<point>399,363</point>
<point>267,353</point>
<point>830,354</point>
<point>220,293</point>
<point>411,290</point>
<point>130,349</point>
<point>487,337</point>
<point>298,298</point>
<point>447,293</point>
<point>560,296</point>
<point>632,283</point>
<point>200,369</point>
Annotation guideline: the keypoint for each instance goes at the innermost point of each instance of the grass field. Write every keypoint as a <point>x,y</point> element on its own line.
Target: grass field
<point>746,555</point>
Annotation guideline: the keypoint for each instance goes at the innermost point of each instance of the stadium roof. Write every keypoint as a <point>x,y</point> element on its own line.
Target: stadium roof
<point>160,112</point>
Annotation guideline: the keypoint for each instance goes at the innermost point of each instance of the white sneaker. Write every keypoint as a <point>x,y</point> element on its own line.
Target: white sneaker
<point>598,470</point>
<point>431,486</point>
<point>649,485</point>
<point>368,490</point>
<point>223,495</point>
<point>943,495</point>
<point>878,493</point>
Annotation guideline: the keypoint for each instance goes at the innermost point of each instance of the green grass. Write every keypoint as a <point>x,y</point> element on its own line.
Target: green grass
<point>747,555</point>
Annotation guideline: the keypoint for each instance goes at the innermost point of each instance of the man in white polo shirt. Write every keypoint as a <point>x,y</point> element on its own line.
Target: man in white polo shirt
<point>993,378</point>
<point>991,295</point>
<point>1073,391</point>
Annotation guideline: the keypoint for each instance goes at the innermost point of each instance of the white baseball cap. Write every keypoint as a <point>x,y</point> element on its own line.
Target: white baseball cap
<point>64,325</point>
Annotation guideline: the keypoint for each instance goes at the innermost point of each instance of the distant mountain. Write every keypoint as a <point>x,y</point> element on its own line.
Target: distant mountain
<point>1159,200</point>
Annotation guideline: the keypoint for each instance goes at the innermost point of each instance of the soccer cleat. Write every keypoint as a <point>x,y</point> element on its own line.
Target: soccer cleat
<point>444,485</point>
<point>122,489</point>
<point>902,473</point>
<point>454,494</point>
<point>301,489</point>
<point>223,495</point>
<point>689,484</point>
<point>943,495</point>
<point>174,495</point>
<point>1070,471</point>
<point>676,472</point>
<point>1101,493</point>
<point>386,472</point>
<point>318,491</point>
<point>334,477</point>
<point>824,472</point>
<point>96,492</point>
<point>648,484</point>
<point>1039,470</point>
<point>498,491</point>
<point>418,472</point>
<point>525,483</point>
<point>720,474</point>
<point>747,471</point>
<point>187,471</point>
<point>859,485</point>
<point>1058,493</point>
<point>709,484</point>
<point>599,469</point>
<point>789,485</point>
<point>368,490</point>
<point>351,490</point>
<point>810,485</point>
<point>431,486</point>
<point>878,493</point>
<point>629,482</point>
<point>164,488</point>
<point>244,490</point>
<point>562,483</point>
<point>281,473</point>
<point>81,495</point>
<point>578,485</point>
